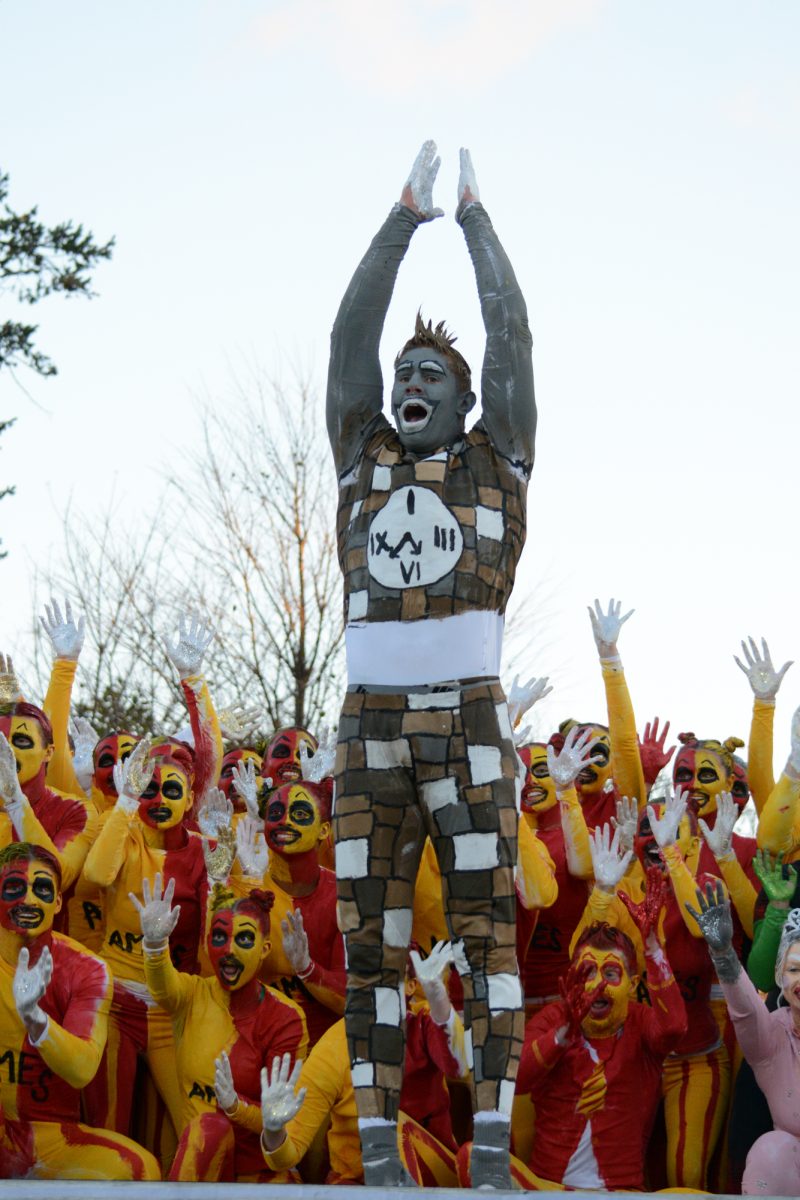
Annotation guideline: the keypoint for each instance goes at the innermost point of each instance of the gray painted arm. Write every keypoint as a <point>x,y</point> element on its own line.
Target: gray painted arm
<point>507,400</point>
<point>355,383</point>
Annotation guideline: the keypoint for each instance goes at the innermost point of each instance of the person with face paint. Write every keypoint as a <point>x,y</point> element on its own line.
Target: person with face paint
<point>765,683</point>
<point>226,1029</point>
<point>431,524</point>
<point>769,1041</point>
<point>230,761</point>
<point>54,998</point>
<point>308,963</point>
<point>592,1061</point>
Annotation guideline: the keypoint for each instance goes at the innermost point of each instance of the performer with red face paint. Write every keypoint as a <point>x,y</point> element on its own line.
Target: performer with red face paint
<point>230,762</point>
<point>145,834</point>
<point>283,760</point>
<point>281,854</point>
<point>54,997</point>
<point>226,1029</point>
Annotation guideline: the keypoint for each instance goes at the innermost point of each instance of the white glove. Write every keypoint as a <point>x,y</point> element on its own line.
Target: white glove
<point>468,192</point>
<point>794,753</point>
<point>523,696</point>
<point>665,829</point>
<point>66,636</point>
<point>626,822</point>
<point>609,862</point>
<point>418,191</point>
<point>720,838</point>
<point>11,794</point>
<point>237,721</point>
<point>429,972</point>
<point>245,784</point>
<point>606,626</point>
<point>133,776</point>
<point>278,1101</point>
<point>566,766</point>
<point>30,984</point>
<point>224,1090</point>
<point>764,680</point>
<point>251,848</point>
<point>320,764</point>
<point>157,916</point>
<point>84,737</point>
<point>295,943</point>
<point>194,638</point>
<point>10,691</point>
<point>215,813</point>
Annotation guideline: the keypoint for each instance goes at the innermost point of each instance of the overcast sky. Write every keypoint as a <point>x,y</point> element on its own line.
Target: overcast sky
<point>640,163</point>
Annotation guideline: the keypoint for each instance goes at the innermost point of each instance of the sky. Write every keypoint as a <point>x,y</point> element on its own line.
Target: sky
<point>640,164</point>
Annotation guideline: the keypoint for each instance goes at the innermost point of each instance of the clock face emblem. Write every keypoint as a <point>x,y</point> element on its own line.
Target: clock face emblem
<point>414,540</point>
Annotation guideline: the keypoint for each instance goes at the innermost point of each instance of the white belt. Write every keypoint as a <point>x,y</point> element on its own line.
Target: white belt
<point>466,646</point>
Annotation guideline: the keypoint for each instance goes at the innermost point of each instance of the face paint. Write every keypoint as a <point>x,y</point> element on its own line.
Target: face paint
<point>236,947</point>
<point>429,404</point>
<point>30,897</point>
<point>538,791</point>
<point>594,777</point>
<point>229,764</point>
<point>645,846</point>
<point>293,824</point>
<point>791,978</point>
<point>164,802</point>
<point>110,750</point>
<point>609,1011</point>
<point>282,762</point>
<point>26,739</point>
<point>704,774</point>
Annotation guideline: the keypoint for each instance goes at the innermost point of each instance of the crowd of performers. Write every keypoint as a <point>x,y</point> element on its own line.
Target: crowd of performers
<point>173,973</point>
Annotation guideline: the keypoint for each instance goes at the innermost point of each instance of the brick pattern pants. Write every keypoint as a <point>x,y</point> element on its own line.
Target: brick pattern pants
<point>441,764</point>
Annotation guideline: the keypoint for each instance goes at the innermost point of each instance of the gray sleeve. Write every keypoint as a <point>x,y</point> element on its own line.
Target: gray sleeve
<point>507,400</point>
<point>355,383</point>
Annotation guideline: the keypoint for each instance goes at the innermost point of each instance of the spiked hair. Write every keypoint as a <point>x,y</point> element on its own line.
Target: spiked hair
<point>438,339</point>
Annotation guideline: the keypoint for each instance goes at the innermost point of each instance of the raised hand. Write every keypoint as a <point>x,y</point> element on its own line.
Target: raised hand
<point>577,999</point>
<point>65,634</point>
<point>714,918</point>
<point>84,739</point>
<point>157,916</point>
<point>10,790</point>
<point>251,847</point>
<point>30,984</point>
<point>245,784</point>
<point>194,638</point>
<point>320,764</point>
<point>764,680</point>
<point>132,776</point>
<point>609,862</point>
<point>720,838</point>
<point>522,696</point>
<point>779,889</point>
<point>645,916</point>
<point>606,626</point>
<point>468,192</point>
<point>238,721</point>
<point>418,191</point>
<point>215,812</point>
<point>10,691</point>
<point>295,943</point>
<point>665,828</point>
<point>430,972</point>
<point>652,752</point>
<point>224,1090</point>
<point>215,820</point>
<point>278,1100</point>
<point>626,822</point>
<point>566,766</point>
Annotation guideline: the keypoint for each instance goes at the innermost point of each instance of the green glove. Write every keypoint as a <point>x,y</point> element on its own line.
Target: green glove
<point>777,887</point>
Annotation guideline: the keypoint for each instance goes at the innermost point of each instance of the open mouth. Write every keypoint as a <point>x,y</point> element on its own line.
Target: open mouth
<point>159,813</point>
<point>230,969</point>
<point>283,836</point>
<point>601,1007</point>
<point>534,795</point>
<point>290,773</point>
<point>414,414</point>
<point>587,775</point>
<point>652,855</point>
<point>26,916</point>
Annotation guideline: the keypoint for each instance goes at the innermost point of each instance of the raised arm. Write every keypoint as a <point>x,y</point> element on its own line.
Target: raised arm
<point>765,684</point>
<point>507,401</point>
<point>355,383</point>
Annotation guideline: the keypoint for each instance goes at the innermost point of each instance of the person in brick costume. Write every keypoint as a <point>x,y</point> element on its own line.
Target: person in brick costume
<point>431,524</point>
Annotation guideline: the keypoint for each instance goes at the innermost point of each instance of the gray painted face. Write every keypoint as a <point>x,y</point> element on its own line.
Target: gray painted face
<point>428,405</point>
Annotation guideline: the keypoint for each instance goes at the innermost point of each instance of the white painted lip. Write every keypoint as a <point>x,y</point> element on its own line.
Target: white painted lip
<point>413,424</point>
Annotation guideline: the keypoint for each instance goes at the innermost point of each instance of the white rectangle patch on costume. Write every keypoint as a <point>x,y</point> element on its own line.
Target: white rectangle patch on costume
<point>362,1074</point>
<point>357,605</point>
<point>485,764</point>
<point>422,701</point>
<point>352,858</point>
<point>387,1006</point>
<point>504,721</point>
<point>397,927</point>
<point>356,509</point>
<point>381,756</point>
<point>504,992</point>
<point>506,1097</point>
<point>469,1053</point>
<point>489,523</point>
<point>439,793</point>
<point>475,851</point>
<point>381,479</point>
